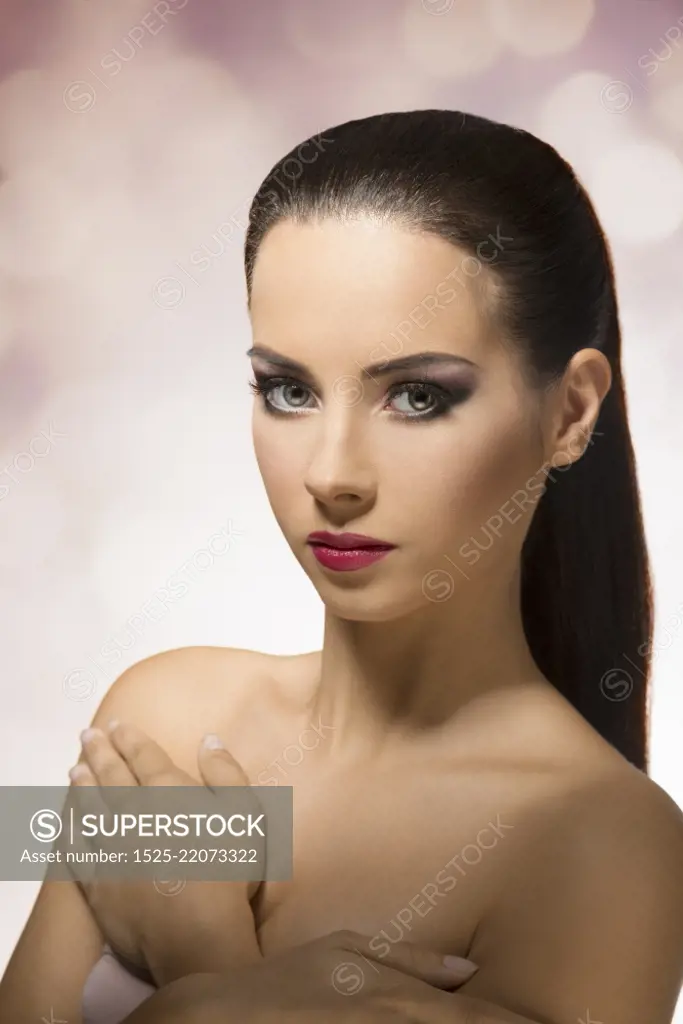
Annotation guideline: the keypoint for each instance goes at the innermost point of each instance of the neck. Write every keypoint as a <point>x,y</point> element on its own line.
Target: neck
<point>424,676</point>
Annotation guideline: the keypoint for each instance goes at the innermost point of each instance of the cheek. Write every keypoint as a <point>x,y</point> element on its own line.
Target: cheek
<point>280,461</point>
<point>504,495</point>
<point>474,472</point>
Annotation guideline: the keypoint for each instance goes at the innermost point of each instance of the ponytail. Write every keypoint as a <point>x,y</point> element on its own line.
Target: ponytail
<point>587,601</point>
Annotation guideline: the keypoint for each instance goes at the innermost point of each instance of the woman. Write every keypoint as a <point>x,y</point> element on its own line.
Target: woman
<point>437,368</point>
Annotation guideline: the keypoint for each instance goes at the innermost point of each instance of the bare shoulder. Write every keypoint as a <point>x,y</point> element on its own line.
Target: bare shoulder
<point>614,826</point>
<point>628,811</point>
<point>186,675</point>
<point>592,786</point>
<point>179,695</point>
<point>619,805</point>
<point>590,913</point>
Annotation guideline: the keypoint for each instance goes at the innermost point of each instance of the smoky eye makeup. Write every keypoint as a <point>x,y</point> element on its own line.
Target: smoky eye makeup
<point>409,399</point>
<point>294,393</point>
<point>426,399</point>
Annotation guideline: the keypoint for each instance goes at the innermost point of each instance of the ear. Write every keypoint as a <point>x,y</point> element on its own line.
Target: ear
<point>574,406</point>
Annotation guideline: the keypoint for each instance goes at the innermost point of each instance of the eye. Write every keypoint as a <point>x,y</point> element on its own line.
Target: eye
<point>426,401</point>
<point>286,396</point>
<point>281,394</point>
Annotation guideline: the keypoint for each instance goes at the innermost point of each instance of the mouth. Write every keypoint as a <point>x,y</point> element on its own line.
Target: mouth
<point>347,551</point>
<point>347,541</point>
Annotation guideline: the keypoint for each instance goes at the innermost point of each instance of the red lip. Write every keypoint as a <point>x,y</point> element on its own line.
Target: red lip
<point>347,541</point>
<point>345,560</point>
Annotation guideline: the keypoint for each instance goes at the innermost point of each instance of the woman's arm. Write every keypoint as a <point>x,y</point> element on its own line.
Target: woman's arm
<point>61,941</point>
<point>208,925</point>
<point>332,978</point>
<point>58,948</point>
<point>338,979</point>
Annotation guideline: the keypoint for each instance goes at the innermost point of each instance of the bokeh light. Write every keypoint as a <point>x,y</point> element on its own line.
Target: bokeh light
<point>638,190</point>
<point>456,44</point>
<point>536,28</point>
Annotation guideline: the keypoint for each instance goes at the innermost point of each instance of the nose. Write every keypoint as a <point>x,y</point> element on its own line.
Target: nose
<point>339,475</point>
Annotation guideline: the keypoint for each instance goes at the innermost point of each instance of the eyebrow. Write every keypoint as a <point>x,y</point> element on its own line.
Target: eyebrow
<point>412,362</point>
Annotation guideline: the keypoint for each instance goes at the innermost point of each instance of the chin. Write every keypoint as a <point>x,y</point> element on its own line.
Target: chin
<point>369,603</point>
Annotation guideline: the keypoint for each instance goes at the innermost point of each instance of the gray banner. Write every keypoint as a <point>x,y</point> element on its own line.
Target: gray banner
<point>169,833</point>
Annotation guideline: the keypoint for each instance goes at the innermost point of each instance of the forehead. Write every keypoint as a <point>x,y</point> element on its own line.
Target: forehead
<point>336,286</point>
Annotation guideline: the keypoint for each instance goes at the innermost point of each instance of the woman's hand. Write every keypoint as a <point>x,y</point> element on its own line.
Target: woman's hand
<point>340,979</point>
<point>337,978</point>
<point>203,926</point>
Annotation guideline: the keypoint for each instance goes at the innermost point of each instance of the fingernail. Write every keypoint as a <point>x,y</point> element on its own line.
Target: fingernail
<point>460,966</point>
<point>213,742</point>
<point>90,734</point>
<point>77,772</point>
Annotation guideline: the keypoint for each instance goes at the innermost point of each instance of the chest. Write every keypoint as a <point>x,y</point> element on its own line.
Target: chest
<point>394,859</point>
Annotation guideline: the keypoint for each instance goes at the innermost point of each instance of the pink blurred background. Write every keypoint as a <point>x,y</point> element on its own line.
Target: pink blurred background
<point>132,137</point>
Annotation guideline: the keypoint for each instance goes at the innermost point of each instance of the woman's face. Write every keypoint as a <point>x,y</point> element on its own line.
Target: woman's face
<point>441,459</point>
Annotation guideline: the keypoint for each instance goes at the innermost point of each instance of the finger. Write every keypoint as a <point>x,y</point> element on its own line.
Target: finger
<point>104,761</point>
<point>444,972</point>
<point>81,775</point>
<point>87,794</point>
<point>84,797</point>
<point>218,769</point>
<point>217,765</point>
<point>149,763</point>
<point>83,779</point>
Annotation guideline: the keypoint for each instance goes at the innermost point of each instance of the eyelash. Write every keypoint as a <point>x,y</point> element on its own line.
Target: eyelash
<point>264,386</point>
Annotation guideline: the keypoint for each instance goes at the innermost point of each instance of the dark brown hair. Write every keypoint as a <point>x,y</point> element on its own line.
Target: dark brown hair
<point>586,592</point>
